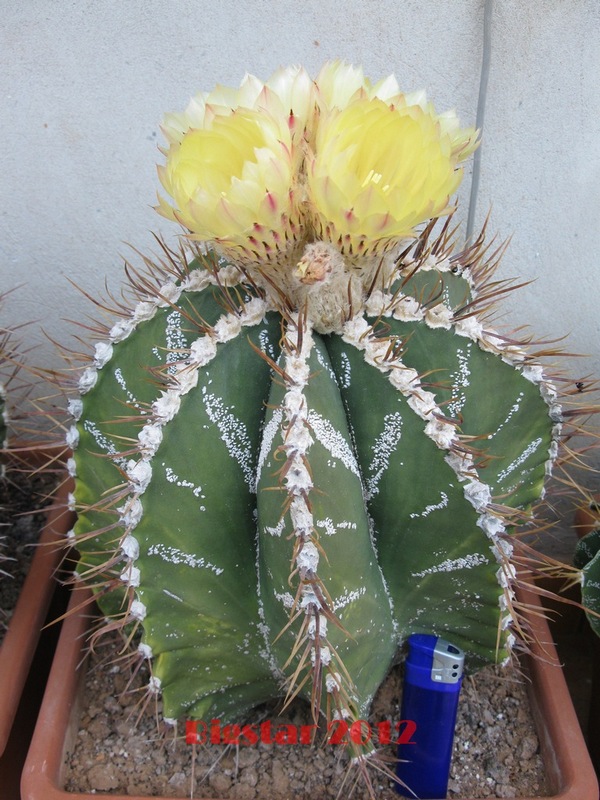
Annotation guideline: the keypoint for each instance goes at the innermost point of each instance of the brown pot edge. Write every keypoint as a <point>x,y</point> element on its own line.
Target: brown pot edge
<point>21,639</point>
<point>563,747</point>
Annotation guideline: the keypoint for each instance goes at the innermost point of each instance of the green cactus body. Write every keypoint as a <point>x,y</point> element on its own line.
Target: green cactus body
<point>587,559</point>
<point>280,503</point>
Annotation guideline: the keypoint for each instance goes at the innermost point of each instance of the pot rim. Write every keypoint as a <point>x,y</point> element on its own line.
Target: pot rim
<point>563,748</point>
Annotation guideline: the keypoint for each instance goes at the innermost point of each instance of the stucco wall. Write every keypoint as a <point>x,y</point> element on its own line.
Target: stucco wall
<point>85,84</point>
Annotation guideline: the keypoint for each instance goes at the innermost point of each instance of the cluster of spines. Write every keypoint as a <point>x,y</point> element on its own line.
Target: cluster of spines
<point>383,354</point>
<point>179,378</point>
<point>386,355</point>
<point>315,653</point>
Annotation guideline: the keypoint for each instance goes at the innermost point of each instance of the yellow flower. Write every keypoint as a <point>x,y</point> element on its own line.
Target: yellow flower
<point>338,84</point>
<point>233,165</point>
<point>265,168</point>
<point>381,167</point>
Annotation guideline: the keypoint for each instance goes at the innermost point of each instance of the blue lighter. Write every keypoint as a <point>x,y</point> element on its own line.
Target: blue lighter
<point>432,680</point>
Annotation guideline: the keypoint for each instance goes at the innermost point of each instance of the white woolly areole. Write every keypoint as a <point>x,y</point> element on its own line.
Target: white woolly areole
<point>294,403</point>
<point>298,478</point>
<point>478,494</point>
<point>72,437</point>
<point>354,329</point>
<point>102,354</point>
<point>506,620</point>
<point>145,650</point>
<point>333,682</point>
<point>427,264</point>
<point>166,406</point>
<point>140,475</point>
<point>408,309</point>
<point>377,303</point>
<point>186,378</point>
<point>503,549</point>
<point>533,373</point>
<point>513,354</point>
<point>309,598</point>
<point>297,370</point>
<point>71,501</point>
<point>312,627</point>
<point>154,685</point>
<point>75,408</point>
<point>150,438</point>
<point>169,294</point>
<point>302,518</point>
<point>131,513</point>
<point>506,575</point>
<point>423,404</point>
<point>375,353</point>
<point>229,275</point>
<point>72,467</point>
<point>442,433</point>
<point>298,439</point>
<point>130,547</point>
<point>144,311</point>
<point>548,392</point>
<point>254,311</point>
<point>404,379</point>
<point>121,330</point>
<point>439,316</point>
<point>462,464</point>
<point>555,412</point>
<point>324,656</point>
<point>492,526</point>
<point>138,610</point>
<point>469,327</point>
<point>197,280</point>
<point>203,350</point>
<point>131,576</point>
<point>308,558</point>
<point>227,327</point>
<point>87,380</point>
<point>510,643</point>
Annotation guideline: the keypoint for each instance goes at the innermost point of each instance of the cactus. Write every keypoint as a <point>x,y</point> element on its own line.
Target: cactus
<point>377,514</point>
<point>6,376</point>
<point>292,450</point>
<point>586,559</point>
<point>16,384</point>
<point>12,389</point>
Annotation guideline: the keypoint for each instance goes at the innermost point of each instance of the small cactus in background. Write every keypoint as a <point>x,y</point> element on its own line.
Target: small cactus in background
<point>13,389</point>
<point>16,382</point>
<point>8,372</point>
<point>305,440</point>
<point>587,558</point>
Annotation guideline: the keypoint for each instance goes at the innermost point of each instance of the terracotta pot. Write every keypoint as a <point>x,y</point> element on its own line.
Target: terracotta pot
<point>29,616</point>
<point>568,766</point>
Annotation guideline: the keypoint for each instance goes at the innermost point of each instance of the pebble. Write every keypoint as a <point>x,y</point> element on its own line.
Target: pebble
<point>496,750</point>
<point>102,777</point>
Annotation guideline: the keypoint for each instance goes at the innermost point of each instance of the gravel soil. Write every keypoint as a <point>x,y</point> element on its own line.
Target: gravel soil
<point>119,747</point>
